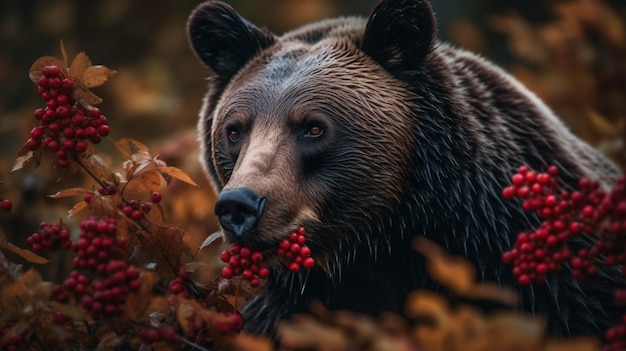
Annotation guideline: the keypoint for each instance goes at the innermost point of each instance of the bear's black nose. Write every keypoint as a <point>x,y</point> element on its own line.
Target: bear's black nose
<point>239,210</point>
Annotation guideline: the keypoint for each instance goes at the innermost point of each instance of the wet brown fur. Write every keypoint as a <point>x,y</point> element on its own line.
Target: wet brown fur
<point>419,139</point>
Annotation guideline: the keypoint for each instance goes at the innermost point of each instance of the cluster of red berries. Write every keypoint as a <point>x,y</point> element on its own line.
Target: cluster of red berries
<point>588,210</point>
<point>295,252</point>
<point>163,333</point>
<point>98,244</point>
<point>201,327</point>
<point>63,127</point>
<point>6,205</point>
<point>136,210</point>
<point>177,285</point>
<point>50,236</point>
<point>107,296</point>
<point>101,280</point>
<point>232,324</point>
<point>243,261</point>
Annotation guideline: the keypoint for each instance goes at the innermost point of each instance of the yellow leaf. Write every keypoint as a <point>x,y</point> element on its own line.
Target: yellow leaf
<point>178,174</point>
<point>95,76</point>
<point>26,254</point>
<point>80,63</point>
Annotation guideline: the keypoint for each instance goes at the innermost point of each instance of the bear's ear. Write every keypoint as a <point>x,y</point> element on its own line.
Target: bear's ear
<point>223,40</point>
<point>399,34</point>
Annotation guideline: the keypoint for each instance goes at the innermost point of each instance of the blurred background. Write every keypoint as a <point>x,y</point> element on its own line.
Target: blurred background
<point>571,53</point>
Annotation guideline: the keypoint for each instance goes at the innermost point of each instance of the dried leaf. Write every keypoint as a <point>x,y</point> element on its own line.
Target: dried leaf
<point>209,240</point>
<point>497,293</point>
<point>246,342</point>
<point>9,271</point>
<point>24,156</point>
<point>99,169</point>
<point>143,164</point>
<point>95,76</point>
<point>127,147</point>
<point>87,97</point>
<point>508,331</point>
<point>80,64</point>
<point>77,208</point>
<point>424,303</point>
<point>455,273</point>
<point>304,332</point>
<point>36,69</point>
<point>178,174</point>
<point>26,254</point>
<point>72,311</point>
<point>69,192</point>
<point>151,181</point>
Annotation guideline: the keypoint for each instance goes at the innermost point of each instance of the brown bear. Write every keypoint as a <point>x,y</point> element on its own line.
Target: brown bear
<point>369,133</point>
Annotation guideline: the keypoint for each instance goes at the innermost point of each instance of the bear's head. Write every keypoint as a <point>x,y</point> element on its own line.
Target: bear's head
<point>306,129</point>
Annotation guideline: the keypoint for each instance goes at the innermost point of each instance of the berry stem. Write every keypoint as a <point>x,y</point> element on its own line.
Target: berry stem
<point>91,174</point>
<point>236,296</point>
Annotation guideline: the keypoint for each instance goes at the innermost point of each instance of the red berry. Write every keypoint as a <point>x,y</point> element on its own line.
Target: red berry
<point>32,144</point>
<point>254,282</point>
<point>168,334</point>
<point>227,272</point>
<point>136,215</point>
<point>225,256</point>
<point>264,273</point>
<point>6,205</point>
<point>524,279</point>
<point>257,257</point>
<point>308,262</point>
<point>245,252</point>
<point>301,231</point>
<point>149,335</point>
<point>155,197</point>
<point>51,71</point>
<point>508,192</point>
<point>305,252</point>
<point>294,267</point>
<point>104,130</point>
<point>67,84</point>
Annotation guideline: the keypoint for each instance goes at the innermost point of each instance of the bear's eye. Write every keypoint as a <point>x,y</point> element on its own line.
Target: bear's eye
<point>234,135</point>
<point>313,132</point>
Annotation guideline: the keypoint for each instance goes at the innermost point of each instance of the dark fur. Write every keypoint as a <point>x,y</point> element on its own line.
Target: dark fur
<point>419,139</point>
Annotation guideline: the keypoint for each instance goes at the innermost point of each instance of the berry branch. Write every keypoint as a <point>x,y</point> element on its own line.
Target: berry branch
<point>589,212</point>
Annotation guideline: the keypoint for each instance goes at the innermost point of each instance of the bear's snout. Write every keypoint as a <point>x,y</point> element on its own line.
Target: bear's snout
<point>239,210</point>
